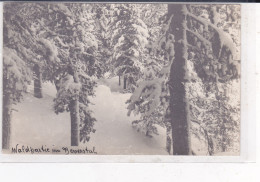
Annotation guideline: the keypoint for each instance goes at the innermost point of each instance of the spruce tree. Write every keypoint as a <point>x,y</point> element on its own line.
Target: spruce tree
<point>16,76</point>
<point>76,85</point>
<point>58,42</point>
<point>128,39</point>
<point>188,35</point>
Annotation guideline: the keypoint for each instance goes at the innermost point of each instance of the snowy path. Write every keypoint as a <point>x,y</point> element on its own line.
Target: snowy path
<point>115,134</point>
<point>36,124</point>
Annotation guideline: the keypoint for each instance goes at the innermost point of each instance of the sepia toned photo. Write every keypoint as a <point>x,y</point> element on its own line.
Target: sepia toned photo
<point>121,79</point>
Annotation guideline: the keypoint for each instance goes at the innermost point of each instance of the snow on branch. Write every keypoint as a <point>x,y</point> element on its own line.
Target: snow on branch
<point>13,63</point>
<point>51,50</point>
<point>200,37</point>
<point>68,85</point>
<point>225,39</point>
<point>153,87</point>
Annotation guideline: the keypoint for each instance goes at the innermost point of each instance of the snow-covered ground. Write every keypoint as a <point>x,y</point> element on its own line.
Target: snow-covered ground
<point>115,134</point>
<point>35,123</point>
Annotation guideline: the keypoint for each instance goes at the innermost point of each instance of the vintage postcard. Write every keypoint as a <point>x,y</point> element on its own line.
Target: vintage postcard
<point>121,79</point>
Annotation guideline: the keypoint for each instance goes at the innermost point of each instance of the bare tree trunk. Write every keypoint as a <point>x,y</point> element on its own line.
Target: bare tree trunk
<point>178,105</point>
<point>168,140</point>
<point>125,79</point>
<point>75,120</point>
<point>6,128</point>
<point>74,116</point>
<point>210,144</point>
<point>223,141</point>
<point>119,83</point>
<point>37,81</point>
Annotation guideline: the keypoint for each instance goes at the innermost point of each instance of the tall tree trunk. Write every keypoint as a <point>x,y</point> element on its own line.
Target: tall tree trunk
<point>125,79</point>
<point>74,116</point>
<point>6,128</point>
<point>224,138</point>
<point>178,105</point>
<point>37,81</point>
<point>75,120</point>
<point>119,83</point>
<point>168,139</point>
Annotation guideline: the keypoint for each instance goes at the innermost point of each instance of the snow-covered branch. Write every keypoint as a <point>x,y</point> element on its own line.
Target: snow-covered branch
<point>224,38</point>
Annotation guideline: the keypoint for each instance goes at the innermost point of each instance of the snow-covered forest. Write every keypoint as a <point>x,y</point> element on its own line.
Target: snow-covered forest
<point>122,78</point>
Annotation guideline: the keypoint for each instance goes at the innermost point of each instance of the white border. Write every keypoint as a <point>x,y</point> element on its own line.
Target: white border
<point>248,112</point>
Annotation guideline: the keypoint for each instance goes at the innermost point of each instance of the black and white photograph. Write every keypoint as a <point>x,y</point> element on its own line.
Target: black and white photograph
<point>121,79</point>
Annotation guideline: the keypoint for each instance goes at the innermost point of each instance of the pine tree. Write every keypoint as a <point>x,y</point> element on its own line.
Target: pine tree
<point>58,42</point>
<point>219,120</point>
<point>74,33</point>
<point>103,17</point>
<point>129,39</point>
<point>29,39</point>
<point>16,72</point>
<point>16,76</point>
<point>187,34</point>
<point>204,35</point>
<point>153,62</point>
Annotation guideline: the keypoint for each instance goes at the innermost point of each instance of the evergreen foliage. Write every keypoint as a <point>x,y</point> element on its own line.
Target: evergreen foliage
<point>181,64</point>
<point>206,45</point>
<point>129,39</point>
